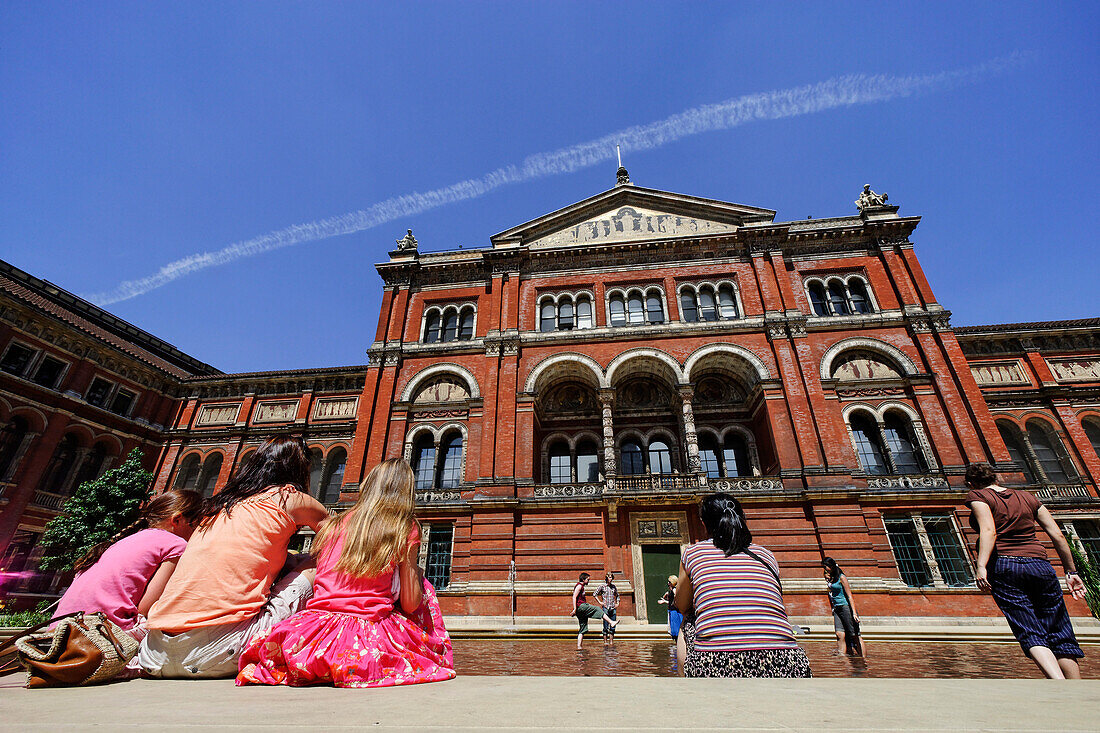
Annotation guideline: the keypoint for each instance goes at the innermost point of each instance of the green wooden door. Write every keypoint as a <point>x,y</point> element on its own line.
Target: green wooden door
<point>658,562</point>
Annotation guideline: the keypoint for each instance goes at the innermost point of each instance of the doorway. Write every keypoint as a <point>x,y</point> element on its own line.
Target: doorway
<point>658,562</point>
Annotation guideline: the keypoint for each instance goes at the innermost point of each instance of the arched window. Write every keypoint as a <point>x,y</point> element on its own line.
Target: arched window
<point>93,465</point>
<point>1016,450</point>
<point>588,462</point>
<point>899,440</point>
<point>635,309</point>
<point>466,327</point>
<point>61,463</point>
<point>431,331</point>
<point>708,455</point>
<point>565,315</point>
<point>632,459</point>
<point>424,461</point>
<point>1047,449</point>
<point>334,476</point>
<point>316,468</point>
<point>11,437</point>
<point>655,312</point>
<point>868,444</point>
<point>618,311</point>
<point>548,316</point>
<point>817,299</point>
<point>727,303</point>
<point>708,308</point>
<point>838,299</point>
<point>211,467</point>
<point>689,305</point>
<point>660,459</point>
<point>860,302</point>
<point>560,469</point>
<point>450,325</point>
<point>735,456</point>
<point>450,464</point>
<point>187,476</point>
<point>584,313</point>
<point>1092,431</point>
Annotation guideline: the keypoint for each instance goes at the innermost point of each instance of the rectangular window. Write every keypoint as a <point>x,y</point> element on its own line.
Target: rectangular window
<point>48,372</point>
<point>1088,531</point>
<point>122,402</point>
<point>16,359</point>
<point>948,551</point>
<point>907,552</point>
<point>97,393</point>
<point>708,458</point>
<point>560,472</point>
<point>588,467</point>
<point>438,566</point>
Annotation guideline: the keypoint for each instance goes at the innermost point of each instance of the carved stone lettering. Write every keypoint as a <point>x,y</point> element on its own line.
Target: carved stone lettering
<point>629,223</point>
<point>218,414</point>
<point>335,408</point>
<point>276,411</point>
<point>1075,370</point>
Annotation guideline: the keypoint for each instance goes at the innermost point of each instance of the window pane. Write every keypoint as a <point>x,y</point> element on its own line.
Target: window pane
<point>188,474</point>
<point>431,333</point>
<point>907,552</point>
<point>565,316</point>
<point>1016,451</point>
<point>316,465</point>
<point>48,372</point>
<point>655,311</point>
<point>97,393</point>
<point>450,326</point>
<point>588,467</point>
<point>337,462</point>
<point>868,447</point>
<point>438,564</point>
<point>1092,430</point>
<point>860,302</point>
<point>817,299</point>
<point>727,304</point>
<point>631,458</point>
<point>948,551</point>
<point>688,307</point>
<point>1043,444</point>
<point>1088,531</point>
<point>424,462</point>
<point>450,471</point>
<point>708,310</point>
<point>708,456</point>
<point>16,359</point>
<point>618,311</point>
<point>210,471</point>
<point>660,460</point>
<point>735,457</point>
<point>122,402</point>
<point>898,439</point>
<point>560,472</point>
<point>11,437</point>
<point>635,313</point>
<point>548,317</point>
<point>584,314</point>
<point>466,330</point>
<point>838,299</point>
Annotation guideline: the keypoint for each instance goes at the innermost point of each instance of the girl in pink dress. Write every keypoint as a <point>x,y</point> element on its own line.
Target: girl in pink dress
<point>373,621</point>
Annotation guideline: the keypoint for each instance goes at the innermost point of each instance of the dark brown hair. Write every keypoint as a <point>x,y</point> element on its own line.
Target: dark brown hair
<point>160,508</point>
<point>278,462</point>
<point>980,475</point>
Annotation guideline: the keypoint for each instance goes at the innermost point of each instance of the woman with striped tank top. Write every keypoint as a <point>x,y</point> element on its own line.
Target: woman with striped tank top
<point>740,626</point>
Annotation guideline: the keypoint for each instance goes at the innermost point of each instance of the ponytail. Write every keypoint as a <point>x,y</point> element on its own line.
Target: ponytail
<point>160,508</point>
<point>725,522</point>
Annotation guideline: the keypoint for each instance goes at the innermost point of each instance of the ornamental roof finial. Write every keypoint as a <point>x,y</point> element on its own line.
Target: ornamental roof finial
<point>622,177</point>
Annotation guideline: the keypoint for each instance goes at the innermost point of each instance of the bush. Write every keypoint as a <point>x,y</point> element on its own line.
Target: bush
<point>1090,575</point>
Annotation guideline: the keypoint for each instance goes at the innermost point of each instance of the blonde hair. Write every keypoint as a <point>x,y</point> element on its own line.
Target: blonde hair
<point>377,526</point>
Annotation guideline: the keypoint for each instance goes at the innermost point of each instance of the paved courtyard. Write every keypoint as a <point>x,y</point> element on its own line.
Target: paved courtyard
<point>566,703</point>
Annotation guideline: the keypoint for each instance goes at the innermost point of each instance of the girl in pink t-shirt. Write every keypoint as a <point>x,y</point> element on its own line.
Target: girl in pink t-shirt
<point>373,621</point>
<point>125,575</point>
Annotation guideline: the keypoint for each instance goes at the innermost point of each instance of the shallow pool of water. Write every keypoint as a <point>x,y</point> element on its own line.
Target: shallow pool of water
<point>647,658</point>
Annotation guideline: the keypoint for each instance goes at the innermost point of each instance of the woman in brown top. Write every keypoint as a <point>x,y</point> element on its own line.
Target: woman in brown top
<point>1013,566</point>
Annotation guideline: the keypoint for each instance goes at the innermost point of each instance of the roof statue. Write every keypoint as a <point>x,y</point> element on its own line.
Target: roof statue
<point>869,199</point>
<point>408,242</point>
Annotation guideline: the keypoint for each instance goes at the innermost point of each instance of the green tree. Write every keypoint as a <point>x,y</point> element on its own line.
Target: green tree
<point>1090,575</point>
<point>95,512</point>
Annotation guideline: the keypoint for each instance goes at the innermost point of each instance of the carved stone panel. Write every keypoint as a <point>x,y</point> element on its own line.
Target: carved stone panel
<point>218,414</point>
<point>1075,370</point>
<point>631,223</point>
<point>283,411</point>
<point>858,366</point>
<point>998,373</point>
<point>442,389</point>
<point>335,408</point>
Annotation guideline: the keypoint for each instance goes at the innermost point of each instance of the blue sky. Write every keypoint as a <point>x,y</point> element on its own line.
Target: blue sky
<point>133,135</point>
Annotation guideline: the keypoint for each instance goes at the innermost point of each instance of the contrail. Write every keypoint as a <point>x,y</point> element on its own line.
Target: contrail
<point>842,91</point>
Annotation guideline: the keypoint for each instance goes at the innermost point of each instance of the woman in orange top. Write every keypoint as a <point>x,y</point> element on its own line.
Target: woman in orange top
<point>221,595</point>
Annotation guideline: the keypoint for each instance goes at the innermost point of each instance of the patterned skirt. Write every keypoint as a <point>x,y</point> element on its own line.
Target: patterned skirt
<point>316,647</point>
<point>749,663</point>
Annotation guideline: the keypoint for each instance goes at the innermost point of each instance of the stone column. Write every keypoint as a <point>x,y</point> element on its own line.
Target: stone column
<point>887,454</point>
<point>607,400</point>
<point>691,440</point>
<point>28,438</point>
<point>926,548</point>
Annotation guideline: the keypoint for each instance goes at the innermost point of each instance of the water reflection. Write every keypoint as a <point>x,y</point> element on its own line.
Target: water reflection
<point>657,658</point>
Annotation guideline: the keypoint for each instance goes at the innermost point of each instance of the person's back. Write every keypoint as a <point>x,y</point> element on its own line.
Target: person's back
<point>369,597</point>
<point>1014,516</point>
<point>738,602</point>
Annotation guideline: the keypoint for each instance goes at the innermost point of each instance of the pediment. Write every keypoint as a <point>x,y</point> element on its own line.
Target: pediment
<point>626,214</point>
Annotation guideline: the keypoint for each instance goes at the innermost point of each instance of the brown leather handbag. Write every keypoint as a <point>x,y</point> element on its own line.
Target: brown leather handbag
<point>84,648</point>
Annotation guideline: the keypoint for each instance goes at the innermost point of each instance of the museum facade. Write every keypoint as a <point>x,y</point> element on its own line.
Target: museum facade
<point>566,394</point>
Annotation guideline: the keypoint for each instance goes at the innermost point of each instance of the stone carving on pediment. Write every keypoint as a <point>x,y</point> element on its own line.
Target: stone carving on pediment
<point>858,366</point>
<point>217,414</point>
<point>283,411</point>
<point>631,223</point>
<point>996,374</point>
<point>335,408</point>
<point>442,389</point>
<point>1075,370</point>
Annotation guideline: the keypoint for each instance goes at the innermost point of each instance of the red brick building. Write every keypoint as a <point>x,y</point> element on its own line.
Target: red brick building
<point>567,393</point>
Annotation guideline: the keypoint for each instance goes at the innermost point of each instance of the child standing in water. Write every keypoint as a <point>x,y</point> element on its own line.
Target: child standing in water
<point>373,621</point>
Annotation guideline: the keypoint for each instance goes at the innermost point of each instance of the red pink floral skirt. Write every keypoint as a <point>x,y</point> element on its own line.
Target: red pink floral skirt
<point>316,647</point>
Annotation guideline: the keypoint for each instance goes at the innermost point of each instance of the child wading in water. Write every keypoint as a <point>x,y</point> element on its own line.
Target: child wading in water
<point>373,621</point>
